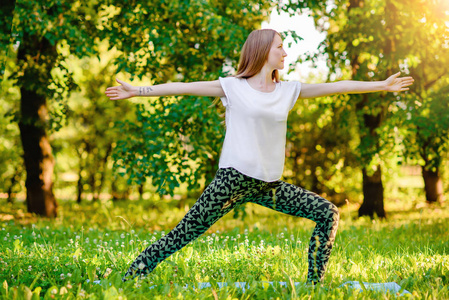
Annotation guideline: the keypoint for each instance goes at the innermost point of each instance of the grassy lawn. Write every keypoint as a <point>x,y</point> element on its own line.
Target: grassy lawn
<point>53,259</point>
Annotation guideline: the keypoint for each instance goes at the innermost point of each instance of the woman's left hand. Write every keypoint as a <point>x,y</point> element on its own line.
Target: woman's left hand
<point>394,83</point>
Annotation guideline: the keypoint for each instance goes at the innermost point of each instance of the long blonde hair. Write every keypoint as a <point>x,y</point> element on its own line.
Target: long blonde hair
<point>255,53</point>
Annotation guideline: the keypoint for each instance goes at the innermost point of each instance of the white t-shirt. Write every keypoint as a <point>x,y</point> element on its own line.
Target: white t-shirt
<point>256,127</point>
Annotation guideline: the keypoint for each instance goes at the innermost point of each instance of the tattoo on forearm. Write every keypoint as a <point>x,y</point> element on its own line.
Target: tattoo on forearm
<point>145,90</point>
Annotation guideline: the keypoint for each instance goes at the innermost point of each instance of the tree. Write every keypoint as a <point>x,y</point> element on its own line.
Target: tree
<point>425,116</point>
<point>89,137</point>
<point>370,40</point>
<point>40,27</point>
<point>426,135</point>
<point>178,139</point>
<point>320,147</point>
<point>169,40</point>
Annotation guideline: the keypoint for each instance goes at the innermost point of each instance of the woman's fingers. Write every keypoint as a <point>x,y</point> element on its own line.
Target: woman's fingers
<point>112,89</point>
<point>115,97</point>
<point>399,84</point>
<point>393,77</point>
<point>406,81</point>
<point>113,93</point>
<point>117,92</point>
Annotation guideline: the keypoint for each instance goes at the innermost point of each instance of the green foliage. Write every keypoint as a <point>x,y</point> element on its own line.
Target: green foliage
<point>358,47</point>
<point>370,40</point>
<point>320,148</point>
<point>57,20</point>
<point>39,30</point>
<point>11,163</point>
<point>47,32</point>
<point>424,115</point>
<point>426,127</point>
<point>85,144</point>
<point>39,26</point>
<point>6,17</point>
<point>161,39</point>
<point>177,140</point>
<point>297,7</point>
<point>178,143</point>
<point>98,241</point>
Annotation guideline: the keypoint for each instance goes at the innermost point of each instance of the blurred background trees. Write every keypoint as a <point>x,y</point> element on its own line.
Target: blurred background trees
<point>371,40</point>
<point>40,29</point>
<point>62,55</point>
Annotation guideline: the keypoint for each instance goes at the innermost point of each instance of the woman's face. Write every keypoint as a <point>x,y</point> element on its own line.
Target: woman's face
<point>277,53</point>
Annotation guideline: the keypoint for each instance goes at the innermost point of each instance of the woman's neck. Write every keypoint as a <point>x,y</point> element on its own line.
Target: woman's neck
<point>262,81</point>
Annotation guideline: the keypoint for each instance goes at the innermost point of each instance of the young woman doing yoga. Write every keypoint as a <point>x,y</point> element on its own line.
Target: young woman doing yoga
<point>257,104</point>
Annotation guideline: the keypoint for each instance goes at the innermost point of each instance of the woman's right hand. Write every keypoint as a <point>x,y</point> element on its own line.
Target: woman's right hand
<point>123,91</point>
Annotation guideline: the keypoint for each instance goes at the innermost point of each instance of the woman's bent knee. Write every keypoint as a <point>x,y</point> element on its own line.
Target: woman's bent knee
<point>334,214</point>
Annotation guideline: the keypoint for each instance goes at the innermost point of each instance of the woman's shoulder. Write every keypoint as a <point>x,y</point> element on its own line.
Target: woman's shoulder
<point>290,84</point>
<point>287,82</point>
<point>231,80</point>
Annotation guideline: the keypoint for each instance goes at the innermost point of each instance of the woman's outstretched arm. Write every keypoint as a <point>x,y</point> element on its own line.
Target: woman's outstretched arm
<point>394,83</point>
<point>198,88</point>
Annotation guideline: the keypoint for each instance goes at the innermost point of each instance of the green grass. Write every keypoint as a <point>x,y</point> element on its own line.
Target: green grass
<point>53,259</point>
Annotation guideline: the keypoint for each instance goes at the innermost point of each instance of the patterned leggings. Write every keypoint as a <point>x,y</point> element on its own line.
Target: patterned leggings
<point>230,188</point>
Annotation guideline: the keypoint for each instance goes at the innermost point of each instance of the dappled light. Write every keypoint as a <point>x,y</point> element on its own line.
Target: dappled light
<point>114,117</point>
<point>87,242</point>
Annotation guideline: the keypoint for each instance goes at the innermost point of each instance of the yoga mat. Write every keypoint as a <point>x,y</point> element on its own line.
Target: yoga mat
<point>392,287</point>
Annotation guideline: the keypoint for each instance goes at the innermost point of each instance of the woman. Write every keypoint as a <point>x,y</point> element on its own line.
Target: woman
<point>251,162</point>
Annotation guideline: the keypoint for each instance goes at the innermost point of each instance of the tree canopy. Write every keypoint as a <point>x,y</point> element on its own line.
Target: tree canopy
<point>59,56</point>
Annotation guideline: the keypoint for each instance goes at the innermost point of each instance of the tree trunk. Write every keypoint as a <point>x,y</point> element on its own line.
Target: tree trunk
<point>79,186</point>
<point>373,198</point>
<point>141,190</point>
<point>433,185</point>
<point>102,170</point>
<point>79,183</point>
<point>114,190</point>
<point>15,180</point>
<point>373,191</point>
<point>93,188</point>
<point>11,195</point>
<point>38,158</point>
<point>39,162</point>
<point>373,195</point>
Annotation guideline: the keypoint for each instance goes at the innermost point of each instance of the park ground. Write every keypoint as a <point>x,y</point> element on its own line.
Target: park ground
<point>53,259</point>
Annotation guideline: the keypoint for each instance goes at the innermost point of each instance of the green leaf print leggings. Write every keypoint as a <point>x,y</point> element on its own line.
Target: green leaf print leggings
<point>230,188</point>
